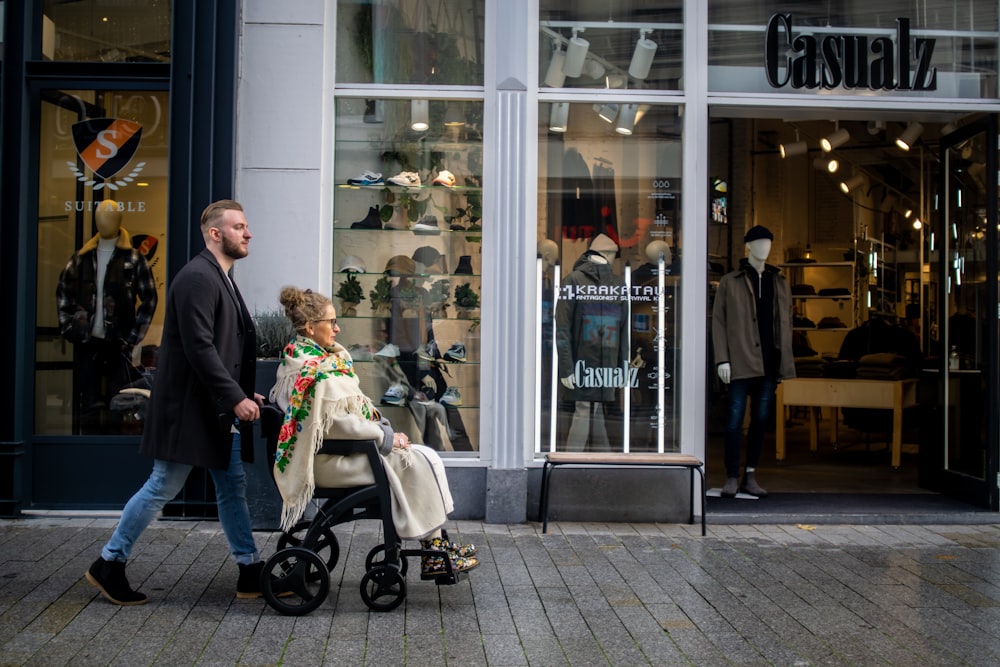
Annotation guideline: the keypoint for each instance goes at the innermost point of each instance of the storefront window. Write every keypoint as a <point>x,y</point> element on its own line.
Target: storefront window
<point>932,49</point>
<point>102,219</point>
<point>410,42</point>
<point>407,234</point>
<point>614,46</point>
<point>132,31</point>
<point>608,221</point>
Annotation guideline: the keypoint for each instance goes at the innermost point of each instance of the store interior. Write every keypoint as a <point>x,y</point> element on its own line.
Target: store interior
<point>847,237</point>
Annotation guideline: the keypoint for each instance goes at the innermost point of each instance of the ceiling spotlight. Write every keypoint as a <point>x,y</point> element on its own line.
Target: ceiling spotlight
<point>949,128</point>
<point>559,116</point>
<point>792,149</point>
<point>875,126</point>
<point>829,165</point>
<point>576,54</point>
<point>642,57</point>
<point>917,224</point>
<point>910,135</point>
<point>840,137</point>
<point>607,112</point>
<point>419,115</point>
<point>555,76</point>
<point>593,69</point>
<point>853,183</point>
<point>903,210</point>
<point>626,119</point>
<point>453,116</point>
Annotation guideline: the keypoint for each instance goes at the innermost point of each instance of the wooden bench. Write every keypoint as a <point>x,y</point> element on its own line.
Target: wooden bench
<point>620,460</point>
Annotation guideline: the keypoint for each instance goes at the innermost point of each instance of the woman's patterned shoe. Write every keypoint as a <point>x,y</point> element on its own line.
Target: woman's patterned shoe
<point>455,549</point>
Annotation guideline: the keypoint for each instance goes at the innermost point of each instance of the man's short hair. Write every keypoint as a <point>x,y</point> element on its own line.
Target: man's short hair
<point>215,210</point>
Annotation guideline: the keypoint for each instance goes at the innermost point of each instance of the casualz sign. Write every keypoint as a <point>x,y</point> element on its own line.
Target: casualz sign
<point>851,61</point>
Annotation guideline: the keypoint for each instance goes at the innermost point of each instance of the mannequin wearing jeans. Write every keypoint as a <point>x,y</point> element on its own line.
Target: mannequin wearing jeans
<point>751,335</point>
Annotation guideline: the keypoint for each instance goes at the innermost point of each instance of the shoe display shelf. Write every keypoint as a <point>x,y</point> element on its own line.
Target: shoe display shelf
<point>823,296</point>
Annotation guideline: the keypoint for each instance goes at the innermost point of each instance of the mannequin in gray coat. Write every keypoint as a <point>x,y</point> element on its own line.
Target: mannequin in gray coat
<point>752,339</point>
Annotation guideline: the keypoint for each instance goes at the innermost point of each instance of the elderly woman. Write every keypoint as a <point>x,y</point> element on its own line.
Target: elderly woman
<point>322,398</point>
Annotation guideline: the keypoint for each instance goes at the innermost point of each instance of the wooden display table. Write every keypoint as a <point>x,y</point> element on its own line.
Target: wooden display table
<point>816,393</point>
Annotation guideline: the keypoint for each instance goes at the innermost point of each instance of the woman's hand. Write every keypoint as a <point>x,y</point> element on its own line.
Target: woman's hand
<point>400,441</point>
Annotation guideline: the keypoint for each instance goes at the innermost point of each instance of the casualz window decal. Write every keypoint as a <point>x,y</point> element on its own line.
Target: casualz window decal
<point>851,61</point>
<point>106,145</point>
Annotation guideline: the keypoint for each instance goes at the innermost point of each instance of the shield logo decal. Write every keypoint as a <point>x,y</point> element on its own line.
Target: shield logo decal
<point>106,144</point>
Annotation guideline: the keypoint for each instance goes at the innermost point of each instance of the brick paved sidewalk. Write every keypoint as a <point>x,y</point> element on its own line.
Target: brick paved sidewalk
<point>583,594</point>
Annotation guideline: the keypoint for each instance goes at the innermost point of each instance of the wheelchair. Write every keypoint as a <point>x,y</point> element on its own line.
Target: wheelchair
<point>296,579</point>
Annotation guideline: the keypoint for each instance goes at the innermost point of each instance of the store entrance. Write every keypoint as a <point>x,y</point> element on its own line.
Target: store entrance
<point>851,210</point>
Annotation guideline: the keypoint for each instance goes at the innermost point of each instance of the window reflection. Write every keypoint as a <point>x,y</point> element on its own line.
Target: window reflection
<point>95,31</point>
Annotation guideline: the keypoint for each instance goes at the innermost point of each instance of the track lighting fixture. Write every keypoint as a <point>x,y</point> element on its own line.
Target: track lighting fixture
<point>829,165</point>
<point>554,75</point>
<point>853,183</point>
<point>903,210</point>
<point>419,120</point>
<point>910,135</point>
<point>559,116</point>
<point>593,69</point>
<point>626,119</point>
<point>576,54</point>
<point>839,137</point>
<point>607,112</point>
<point>642,57</point>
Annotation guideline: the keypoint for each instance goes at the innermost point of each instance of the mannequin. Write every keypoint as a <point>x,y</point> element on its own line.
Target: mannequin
<point>752,340</point>
<point>590,334</point>
<point>106,297</point>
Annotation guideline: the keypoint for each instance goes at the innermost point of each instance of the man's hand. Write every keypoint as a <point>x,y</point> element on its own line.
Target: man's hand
<point>569,382</point>
<point>247,410</point>
<point>725,372</point>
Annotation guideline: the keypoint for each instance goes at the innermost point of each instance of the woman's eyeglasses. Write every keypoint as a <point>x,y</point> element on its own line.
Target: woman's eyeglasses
<point>332,321</point>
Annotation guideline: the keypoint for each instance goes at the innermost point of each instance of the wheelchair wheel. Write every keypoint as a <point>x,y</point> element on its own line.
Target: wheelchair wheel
<point>372,560</point>
<point>295,581</point>
<point>383,588</point>
<point>326,547</point>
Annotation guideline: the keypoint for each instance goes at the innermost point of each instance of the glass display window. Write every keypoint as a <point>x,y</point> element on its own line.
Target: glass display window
<point>609,248</point>
<point>411,42</point>
<point>407,239</point>
<point>101,270</point>
<point>125,31</point>
<point>934,49</point>
<point>638,45</point>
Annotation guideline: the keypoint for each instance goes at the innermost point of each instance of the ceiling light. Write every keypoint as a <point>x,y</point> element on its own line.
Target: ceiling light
<point>853,183</point>
<point>829,165</point>
<point>792,149</point>
<point>559,116</point>
<point>642,57</point>
<point>576,54</point>
<point>607,112</point>
<point>453,116</point>
<point>593,69</point>
<point>626,119</point>
<point>840,137</point>
<point>949,128</point>
<point>419,115</point>
<point>917,224</point>
<point>554,76</point>
<point>910,135</point>
<point>903,210</point>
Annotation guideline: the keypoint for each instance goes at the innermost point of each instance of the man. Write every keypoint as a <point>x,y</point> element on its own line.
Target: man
<point>202,391</point>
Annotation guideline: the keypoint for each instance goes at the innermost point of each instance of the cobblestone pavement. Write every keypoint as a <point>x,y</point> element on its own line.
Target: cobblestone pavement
<point>582,594</point>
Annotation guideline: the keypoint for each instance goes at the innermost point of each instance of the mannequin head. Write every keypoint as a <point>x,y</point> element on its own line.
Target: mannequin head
<point>657,248</point>
<point>605,247</point>
<point>548,250</point>
<point>108,218</point>
<point>759,249</point>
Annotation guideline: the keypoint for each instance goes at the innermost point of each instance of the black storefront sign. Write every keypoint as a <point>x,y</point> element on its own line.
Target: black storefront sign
<point>851,61</point>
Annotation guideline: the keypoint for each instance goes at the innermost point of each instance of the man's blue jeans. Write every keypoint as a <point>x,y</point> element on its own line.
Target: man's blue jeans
<point>164,483</point>
<point>760,393</point>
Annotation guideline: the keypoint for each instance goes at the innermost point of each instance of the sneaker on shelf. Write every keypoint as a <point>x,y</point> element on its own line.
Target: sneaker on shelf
<point>408,178</point>
<point>445,178</point>
<point>370,221</point>
<point>456,225</point>
<point>394,395</point>
<point>428,386</point>
<point>455,353</point>
<point>451,396</point>
<point>366,178</point>
<point>464,265</point>
<point>429,352</point>
<point>427,225</point>
<point>388,351</point>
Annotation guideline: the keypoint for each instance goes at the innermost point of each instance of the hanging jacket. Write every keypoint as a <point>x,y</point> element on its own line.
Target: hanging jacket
<point>735,337</point>
<point>591,321</point>
<point>129,294</point>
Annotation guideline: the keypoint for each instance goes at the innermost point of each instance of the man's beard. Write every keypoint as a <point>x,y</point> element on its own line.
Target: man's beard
<point>233,249</point>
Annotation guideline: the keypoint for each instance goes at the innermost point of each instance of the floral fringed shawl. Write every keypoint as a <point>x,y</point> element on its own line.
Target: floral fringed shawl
<point>313,406</point>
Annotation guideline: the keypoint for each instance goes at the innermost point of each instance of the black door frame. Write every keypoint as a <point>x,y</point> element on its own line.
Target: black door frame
<point>980,492</point>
